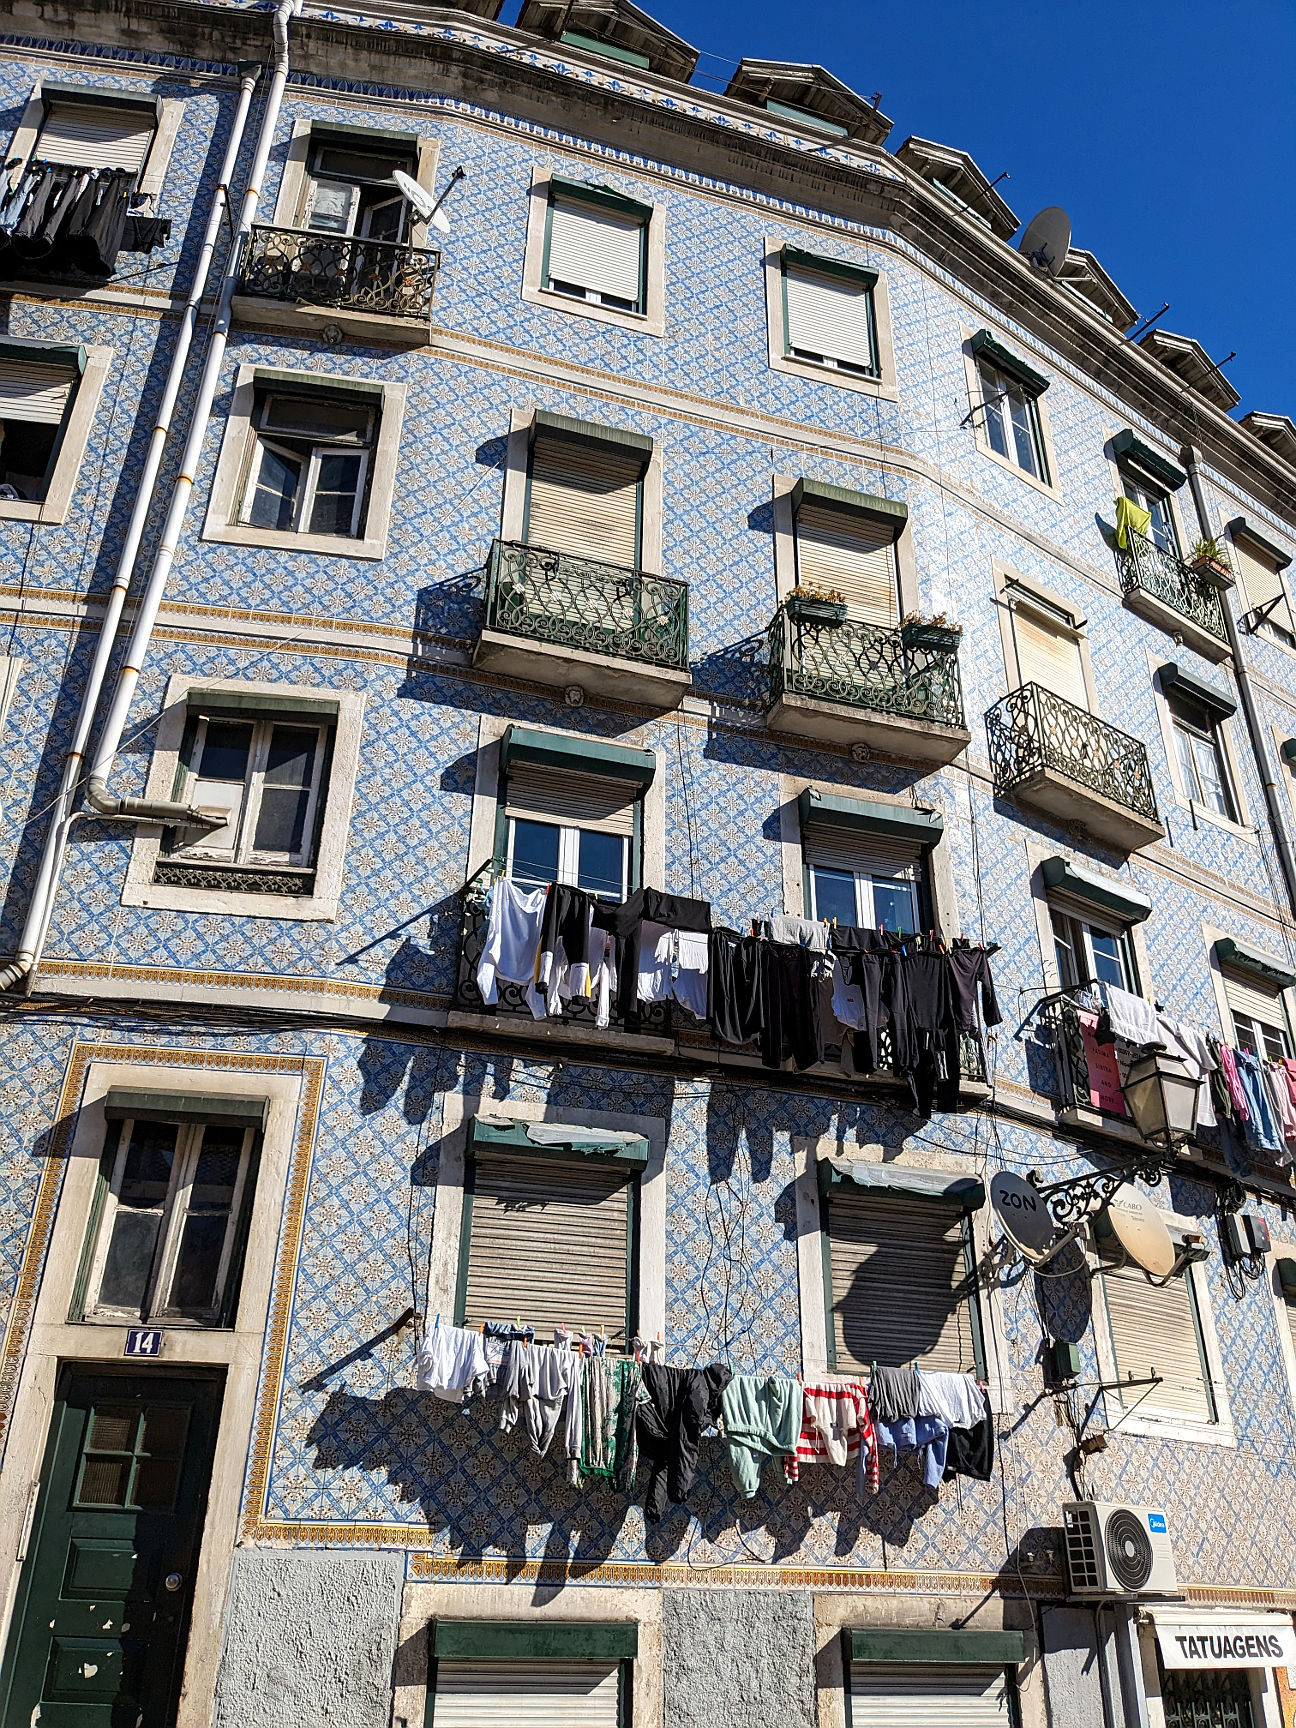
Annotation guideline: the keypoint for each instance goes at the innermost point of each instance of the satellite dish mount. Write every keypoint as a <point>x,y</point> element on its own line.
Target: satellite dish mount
<point>1047,240</point>
<point>428,207</point>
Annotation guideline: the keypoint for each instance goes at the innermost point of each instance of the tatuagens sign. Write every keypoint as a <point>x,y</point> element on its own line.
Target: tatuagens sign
<point>1251,1641</point>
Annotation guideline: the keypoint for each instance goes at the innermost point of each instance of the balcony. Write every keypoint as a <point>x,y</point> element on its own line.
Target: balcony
<point>1160,587</point>
<point>896,691</point>
<point>1047,753</point>
<point>556,618</point>
<point>314,281</point>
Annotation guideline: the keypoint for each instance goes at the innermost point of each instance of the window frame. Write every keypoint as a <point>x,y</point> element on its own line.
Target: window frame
<point>190,1132</point>
<point>595,198</point>
<point>1186,736</point>
<point>1284,1250</point>
<point>568,869</point>
<point>1156,500</point>
<point>632,845</point>
<point>865,903</point>
<point>535,436</point>
<point>1085,925</point>
<point>831,267</point>
<point>263,442</point>
<point>243,853</point>
<point>650,320</point>
<point>881,382</point>
<point>64,470</point>
<point>152,175</point>
<point>997,389</point>
<point>973,360</point>
<point>1013,589</point>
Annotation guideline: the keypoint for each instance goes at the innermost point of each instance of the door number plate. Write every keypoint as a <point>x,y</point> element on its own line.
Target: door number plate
<point>143,1341</point>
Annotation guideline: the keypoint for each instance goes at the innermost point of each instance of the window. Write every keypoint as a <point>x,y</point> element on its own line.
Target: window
<point>308,464</point>
<point>577,829</point>
<point>1006,410</point>
<point>349,189</point>
<point>828,315</point>
<point>900,1279</point>
<point>37,389</point>
<point>83,133</point>
<point>904,1692</point>
<point>549,1229</point>
<point>843,549</point>
<point>1260,565</point>
<point>269,774</point>
<point>173,1204</point>
<point>596,246</point>
<point>1161,528</point>
<point>540,1672</point>
<point>585,495</point>
<point>1090,953</point>
<point>1260,1022</point>
<point>1156,1328</point>
<point>1047,641</point>
<point>866,861</point>
<point>1199,752</point>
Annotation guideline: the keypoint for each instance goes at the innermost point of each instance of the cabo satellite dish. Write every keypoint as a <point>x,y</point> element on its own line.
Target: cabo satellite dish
<point>421,199</point>
<point>1047,239</point>
<point>1139,1230</point>
<point>1023,1215</point>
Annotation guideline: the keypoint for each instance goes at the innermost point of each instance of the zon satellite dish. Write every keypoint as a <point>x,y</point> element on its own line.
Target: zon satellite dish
<point>1140,1232</point>
<point>1047,239</point>
<point>421,199</point>
<point>1024,1216</point>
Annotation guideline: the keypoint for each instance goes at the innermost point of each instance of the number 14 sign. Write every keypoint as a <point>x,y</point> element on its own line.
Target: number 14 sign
<point>143,1341</point>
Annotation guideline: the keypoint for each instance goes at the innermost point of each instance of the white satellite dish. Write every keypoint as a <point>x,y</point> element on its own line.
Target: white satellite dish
<point>1139,1230</point>
<point>1023,1215</point>
<point>1047,239</point>
<point>421,199</point>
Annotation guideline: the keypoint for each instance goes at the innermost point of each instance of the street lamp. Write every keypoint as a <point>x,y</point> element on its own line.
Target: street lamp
<point>1161,1096</point>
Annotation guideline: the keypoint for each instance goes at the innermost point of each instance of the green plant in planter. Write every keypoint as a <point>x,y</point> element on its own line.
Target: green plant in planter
<point>811,604</point>
<point>1211,554</point>
<point>920,631</point>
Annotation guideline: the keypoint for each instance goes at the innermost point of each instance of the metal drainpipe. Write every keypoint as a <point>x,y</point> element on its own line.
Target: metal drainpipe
<point>1273,794</point>
<point>65,814</point>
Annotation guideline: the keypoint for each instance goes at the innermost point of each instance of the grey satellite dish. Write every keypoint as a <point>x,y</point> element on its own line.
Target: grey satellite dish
<point>1047,239</point>
<point>1023,1215</point>
<point>1139,1230</point>
<point>421,199</point>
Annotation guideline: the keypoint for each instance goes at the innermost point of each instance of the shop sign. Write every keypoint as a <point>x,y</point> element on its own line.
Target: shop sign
<point>1227,1641</point>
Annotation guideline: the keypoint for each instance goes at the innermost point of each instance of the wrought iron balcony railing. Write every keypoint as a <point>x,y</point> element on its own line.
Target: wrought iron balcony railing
<point>579,603</point>
<point>344,271</point>
<point>1163,574</point>
<point>1033,729</point>
<point>865,666</point>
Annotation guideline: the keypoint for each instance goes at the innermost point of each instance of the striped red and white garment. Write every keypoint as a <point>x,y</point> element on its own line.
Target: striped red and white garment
<point>835,1424</point>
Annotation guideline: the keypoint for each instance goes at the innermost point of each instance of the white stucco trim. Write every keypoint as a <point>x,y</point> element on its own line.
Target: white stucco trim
<point>652,320</point>
<point>57,502</point>
<point>883,387</point>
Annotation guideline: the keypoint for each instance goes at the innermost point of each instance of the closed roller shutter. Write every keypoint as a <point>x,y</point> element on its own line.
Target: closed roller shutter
<point>1049,654</point>
<point>828,318</point>
<point>34,392</point>
<point>912,1696</point>
<point>548,1245</point>
<point>899,1276</point>
<point>584,498</point>
<point>1154,1330</point>
<point>1263,584</point>
<point>838,549</point>
<point>840,849</point>
<point>526,1695</point>
<point>572,800</point>
<point>1246,998</point>
<point>599,250</point>
<point>85,136</point>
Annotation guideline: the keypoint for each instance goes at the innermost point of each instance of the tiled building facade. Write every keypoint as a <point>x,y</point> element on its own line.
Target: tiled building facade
<point>327,1015</point>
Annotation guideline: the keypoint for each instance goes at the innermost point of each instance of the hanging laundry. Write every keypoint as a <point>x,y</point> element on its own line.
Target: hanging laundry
<point>63,218</point>
<point>1262,1124</point>
<point>970,1451</point>
<point>836,1427</point>
<point>762,1419</point>
<point>452,1363</point>
<point>534,1383</point>
<point>625,922</point>
<point>1131,1017</point>
<point>1193,1050</point>
<point>1131,518</point>
<point>1233,1080</point>
<point>970,971</point>
<point>926,1434</point>
<point>511,950</point>
<point>562,970</point>
<point>792,1024</point>
<point>957,1399</point>
<point>681,1402</point>
<point>735,990</point>
<point>893,1394</point>
<point>673,966</point>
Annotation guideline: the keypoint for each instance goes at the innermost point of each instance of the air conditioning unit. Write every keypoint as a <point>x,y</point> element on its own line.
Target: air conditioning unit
<point>1117,1550</point>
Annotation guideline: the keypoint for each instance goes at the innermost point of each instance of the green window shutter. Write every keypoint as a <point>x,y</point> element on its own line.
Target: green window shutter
<point>829,312</point>
<point>537,1640</point>
<point>984,347</point>
<point>149,1106</point>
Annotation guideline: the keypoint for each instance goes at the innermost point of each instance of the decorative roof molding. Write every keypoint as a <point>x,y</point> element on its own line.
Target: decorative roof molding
<point>1277,431</point>
<point>1085,276</point>
<point>1188,360</point>
<point>613,26</point>
<point>954,173</point>
<point>789,87</point>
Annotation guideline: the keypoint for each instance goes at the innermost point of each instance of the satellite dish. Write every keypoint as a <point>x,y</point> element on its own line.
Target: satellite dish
<point>1047,239</point>
<point>421,199</point>
<point>1023,1215</point>
<point>1140,1232</point>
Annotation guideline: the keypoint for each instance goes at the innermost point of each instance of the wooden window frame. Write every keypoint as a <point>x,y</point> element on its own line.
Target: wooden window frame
<point>243,854</point>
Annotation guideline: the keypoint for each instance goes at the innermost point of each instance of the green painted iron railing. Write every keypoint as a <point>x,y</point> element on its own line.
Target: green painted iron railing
<point>577,602</point>
<point>865,666</point>
<point>1033,728</point>
<point>345,271</point>
<point>1163,574</point>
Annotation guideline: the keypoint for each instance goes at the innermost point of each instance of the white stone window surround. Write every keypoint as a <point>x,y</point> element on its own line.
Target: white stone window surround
<point>1051,487</point>
<point>785,559</point>
<point>153,173</point>
<point>486,787</point>
<point>1244,828</point>
<point>1283,1249</point>
<point>289,203</point>
<point>221,523</point>
<point>57,502</point>
<point>140,889</point>
<point>1012,587</point>
<point>652,320</point>
<point>884,386</point>
<point>443,1263</point>
<point>1117,481</point>
<point>806,1153</point>
<point>11,666</point>
<point>55,1340</point>
<point>513,502</point>
<point>1141,1421</point>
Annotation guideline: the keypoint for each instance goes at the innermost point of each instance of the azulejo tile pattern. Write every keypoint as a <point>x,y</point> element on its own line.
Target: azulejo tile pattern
<point>345,1451</point>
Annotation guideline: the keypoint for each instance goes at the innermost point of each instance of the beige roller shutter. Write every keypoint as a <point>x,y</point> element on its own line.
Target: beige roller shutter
<point>548,1244</point>
<point>1246,998</point>
<point>1262,582</point>
<point>842,849</point>
<point>85,136</point>
<point>899,1272</point>
<point>913,1695</point>
<point>573,800</point>
<point>34,391</point>
<point>1049,654</point>
<point>839,549</point>
<point>828,317</point>
<point>584,498</point>
<point>596,249</point>
<point>526,1694</point>
<point>1154,1330</point>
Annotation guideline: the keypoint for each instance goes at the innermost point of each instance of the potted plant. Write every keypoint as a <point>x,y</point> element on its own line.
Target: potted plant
<point>1210,559</point>
<point>917,631</point>
<point>807,604</point>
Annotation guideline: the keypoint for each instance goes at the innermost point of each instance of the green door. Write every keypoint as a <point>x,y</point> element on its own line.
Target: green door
<point>103,1607</point>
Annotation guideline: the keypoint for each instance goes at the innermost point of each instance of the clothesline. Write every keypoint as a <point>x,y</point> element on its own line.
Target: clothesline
<point>65,217</point>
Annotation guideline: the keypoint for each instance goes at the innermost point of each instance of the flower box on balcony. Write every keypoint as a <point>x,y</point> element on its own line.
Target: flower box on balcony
<point>808,609</point>
<point>943,638</point>
<point>1214,571</point>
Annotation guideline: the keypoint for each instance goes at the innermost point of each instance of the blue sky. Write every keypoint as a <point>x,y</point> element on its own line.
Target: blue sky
<point>1167,131</point>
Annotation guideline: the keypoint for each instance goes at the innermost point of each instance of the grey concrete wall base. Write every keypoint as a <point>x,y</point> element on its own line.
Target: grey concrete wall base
<point>310,1638</point>
<point>736,1657</point>
<point>1073,1673</point>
